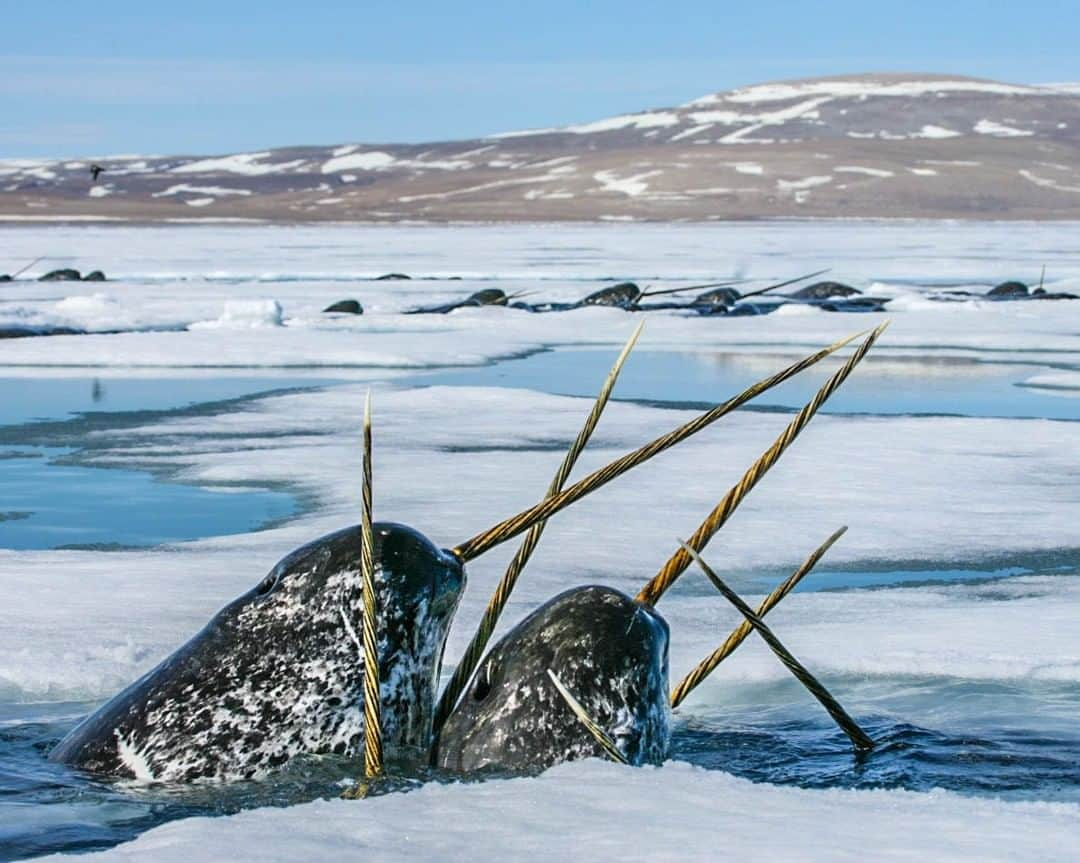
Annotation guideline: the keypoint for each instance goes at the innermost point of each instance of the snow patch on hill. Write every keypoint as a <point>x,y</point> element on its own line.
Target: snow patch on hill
<point>249,164</point>
<point>864,88</point>
<point>990,127</point>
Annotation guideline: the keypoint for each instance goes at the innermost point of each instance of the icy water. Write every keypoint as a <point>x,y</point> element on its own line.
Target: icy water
<point>52,499</point>
<point>766,734</point>
<point>959,387</point>
<point>1015,739</point>
<point>52,504</point>
<point>769,733</point>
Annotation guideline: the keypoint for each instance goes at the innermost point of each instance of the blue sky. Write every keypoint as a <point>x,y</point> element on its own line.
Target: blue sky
<point>198,77</point>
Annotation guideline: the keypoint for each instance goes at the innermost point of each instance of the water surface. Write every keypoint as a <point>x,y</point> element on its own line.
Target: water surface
<point>883,385</point>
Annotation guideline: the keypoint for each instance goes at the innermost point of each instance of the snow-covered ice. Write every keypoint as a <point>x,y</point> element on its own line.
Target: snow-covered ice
<point>591,811</point>
<point>929,492</point>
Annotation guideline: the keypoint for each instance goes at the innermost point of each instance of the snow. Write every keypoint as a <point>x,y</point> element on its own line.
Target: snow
<point>804,183</point>
<point>689,133</point>
<point>480,187</point>
<point>1046,182</point>
<point>1068,87</point>
<point>188,189</point>
<point>916,489</point>
<point>930,131</point>
<point>644,120</point>
<point>16,166</point>
<point>249,164</point>
<point>593,810</point>
<point>378,160</point>
<point>858,169</point>
<point>768,118</point>
<point>246,314</point>
<point>1062,382</point>
<point>990,127</point>
<point>632,186</point>
<point>372,160</point>
<point>647,120</point>
<point>856,88</point>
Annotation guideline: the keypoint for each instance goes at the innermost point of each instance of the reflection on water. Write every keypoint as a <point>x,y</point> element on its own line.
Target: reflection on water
<point>50,504</point>
<point>882,386</point>
<point>24,400</point>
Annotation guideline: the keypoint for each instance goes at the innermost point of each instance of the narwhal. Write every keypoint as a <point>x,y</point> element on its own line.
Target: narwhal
<point>586,674</point>
<point>607,648</point>
<point>278,673</point>
<point>486,297</point>
<point>274,674</point>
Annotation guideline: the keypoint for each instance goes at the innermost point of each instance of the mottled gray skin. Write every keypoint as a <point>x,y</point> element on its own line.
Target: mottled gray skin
<point>278,672</point>
<point>716,297</point>
<point>609,650</point>
<point>825,291</point>
<point>348,307</point>
<point>487,297</point>
<point>621,295</point>
<point>1009,289</point>
<point>63,275</point>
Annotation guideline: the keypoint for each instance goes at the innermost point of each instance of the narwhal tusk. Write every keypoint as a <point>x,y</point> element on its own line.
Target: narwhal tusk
<point>859,738</point>
<point>706,667</point>
<point>674,567</point>
<point>511,527</point>
<point>22,270</point>
<point>505,587</point>
<point>601,736</point>
<point>373,754</point>
<point>648,293</point>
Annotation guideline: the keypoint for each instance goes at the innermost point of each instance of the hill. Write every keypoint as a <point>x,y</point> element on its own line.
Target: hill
<point>893,146</point>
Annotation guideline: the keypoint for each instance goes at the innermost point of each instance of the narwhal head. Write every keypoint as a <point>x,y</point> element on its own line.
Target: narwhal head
<point>622,294</point>
<point>278,673</point>
<point>487,297</point>
<point>610,651</point>
<point>296,637</point>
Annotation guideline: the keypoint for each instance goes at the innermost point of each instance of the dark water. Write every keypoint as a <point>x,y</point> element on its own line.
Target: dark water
<point>986,742</point>
<point>46,808</point>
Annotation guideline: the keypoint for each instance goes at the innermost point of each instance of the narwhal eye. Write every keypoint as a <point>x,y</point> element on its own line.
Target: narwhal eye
<point>483,684</point>
<point>267,585</point>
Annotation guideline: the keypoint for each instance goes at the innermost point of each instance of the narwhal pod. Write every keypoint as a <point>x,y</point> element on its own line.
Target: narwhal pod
<point>609,650</point>
<point>278,672</point>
